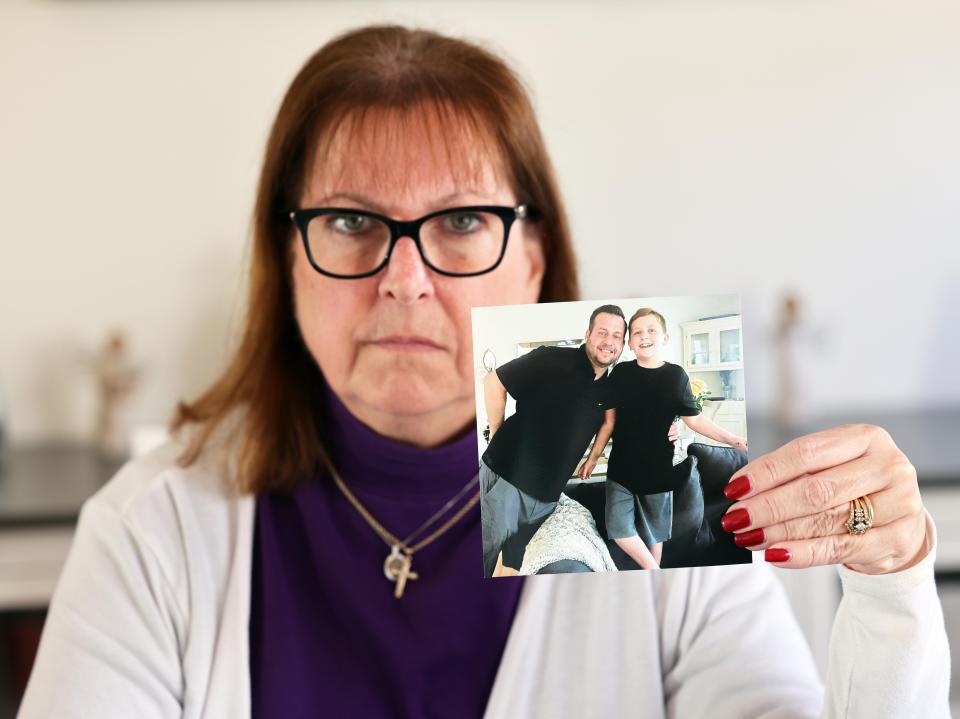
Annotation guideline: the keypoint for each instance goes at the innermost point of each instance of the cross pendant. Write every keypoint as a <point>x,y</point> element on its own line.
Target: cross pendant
<point>396,567</point>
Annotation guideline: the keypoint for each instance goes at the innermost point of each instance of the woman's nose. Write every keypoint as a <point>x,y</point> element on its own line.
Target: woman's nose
<point>406,278</point>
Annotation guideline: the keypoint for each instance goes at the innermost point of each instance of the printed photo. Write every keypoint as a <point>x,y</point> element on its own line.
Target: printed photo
<point>607,430</point>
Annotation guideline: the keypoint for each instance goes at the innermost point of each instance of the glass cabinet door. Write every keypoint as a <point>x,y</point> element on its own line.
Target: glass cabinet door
<point>730,346</point>
<point>713,344</point>
<point>700,348</point>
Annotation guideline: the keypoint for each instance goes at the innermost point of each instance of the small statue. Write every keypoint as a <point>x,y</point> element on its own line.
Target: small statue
<point>3,419</point>
<point>787,326</point>
<point>116,379</point>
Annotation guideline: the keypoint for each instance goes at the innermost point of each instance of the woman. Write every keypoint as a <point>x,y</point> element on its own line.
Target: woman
<point>303,548</point>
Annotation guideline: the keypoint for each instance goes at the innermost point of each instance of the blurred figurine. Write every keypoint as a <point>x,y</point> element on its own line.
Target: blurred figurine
<point>3,422</point>
<point>788,323</point>
<point>116,379</point>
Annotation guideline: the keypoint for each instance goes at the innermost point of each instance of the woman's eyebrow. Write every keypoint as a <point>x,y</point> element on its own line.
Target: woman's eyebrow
<point>338,197</point>
<point>459,194</point>
<point>366,202</point>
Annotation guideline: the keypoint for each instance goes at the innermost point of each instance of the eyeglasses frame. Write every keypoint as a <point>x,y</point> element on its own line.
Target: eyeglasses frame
<point>409,228</point>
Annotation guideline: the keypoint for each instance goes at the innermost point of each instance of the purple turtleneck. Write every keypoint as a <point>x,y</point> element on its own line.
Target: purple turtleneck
<point>327,636</point>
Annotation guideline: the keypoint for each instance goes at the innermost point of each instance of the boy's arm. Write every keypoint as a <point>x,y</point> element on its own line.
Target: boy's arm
<point>599,442</point>
<point>494,400</point>
<point>708,428</point>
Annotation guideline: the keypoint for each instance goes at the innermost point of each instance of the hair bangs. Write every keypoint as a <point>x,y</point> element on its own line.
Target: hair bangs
<point>389,147</point>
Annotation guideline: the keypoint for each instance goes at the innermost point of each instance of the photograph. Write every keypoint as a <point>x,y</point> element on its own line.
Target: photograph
<point>607,432</point>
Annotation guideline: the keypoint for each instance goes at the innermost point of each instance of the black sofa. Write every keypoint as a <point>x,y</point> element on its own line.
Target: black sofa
<point>697,539</point>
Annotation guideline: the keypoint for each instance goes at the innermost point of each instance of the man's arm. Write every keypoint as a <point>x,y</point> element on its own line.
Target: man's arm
<point>494,400</point>
<point>599,442</point>
<point>708,428</point>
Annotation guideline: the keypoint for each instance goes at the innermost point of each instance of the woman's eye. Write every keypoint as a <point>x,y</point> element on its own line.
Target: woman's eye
<point>462,222</point>
<point>350,223</point>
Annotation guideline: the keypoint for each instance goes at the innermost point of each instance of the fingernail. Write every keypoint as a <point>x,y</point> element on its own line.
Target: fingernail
<point>749,539</point>
<point>737,488</point>
<point>777,554</point>
<point>737,519</point>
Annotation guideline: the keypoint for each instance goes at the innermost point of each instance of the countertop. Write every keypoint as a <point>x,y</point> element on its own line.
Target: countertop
<point>46,484</point>
<point>931,439</point>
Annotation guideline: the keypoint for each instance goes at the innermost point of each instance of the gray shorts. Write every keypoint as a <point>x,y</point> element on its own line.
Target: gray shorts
<point>508,519</point>
<point>648,516</point>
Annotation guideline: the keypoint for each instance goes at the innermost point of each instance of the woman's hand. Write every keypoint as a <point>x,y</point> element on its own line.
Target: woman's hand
<point>795,502</point>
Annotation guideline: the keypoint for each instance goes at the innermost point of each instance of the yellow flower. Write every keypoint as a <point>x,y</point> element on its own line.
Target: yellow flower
<point>698,386</point>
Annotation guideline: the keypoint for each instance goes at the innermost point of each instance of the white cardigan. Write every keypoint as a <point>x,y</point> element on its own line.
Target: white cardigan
<point>150,619</point>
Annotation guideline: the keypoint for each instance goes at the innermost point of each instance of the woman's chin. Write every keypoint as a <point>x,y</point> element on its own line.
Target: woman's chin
<point>410,395</point>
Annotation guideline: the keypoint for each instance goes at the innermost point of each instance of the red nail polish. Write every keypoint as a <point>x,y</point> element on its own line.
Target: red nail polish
<point>777,554</point>
<point>737,488</point>
<point>737,519</point>
<point>749,539</point>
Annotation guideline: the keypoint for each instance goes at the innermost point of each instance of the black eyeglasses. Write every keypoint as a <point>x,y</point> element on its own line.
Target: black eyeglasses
<point>458,242</point>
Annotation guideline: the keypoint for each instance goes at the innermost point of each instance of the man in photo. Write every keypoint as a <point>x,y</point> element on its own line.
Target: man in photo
<point>561,396</point>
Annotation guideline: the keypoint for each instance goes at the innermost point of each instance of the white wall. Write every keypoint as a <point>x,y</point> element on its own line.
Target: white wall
<point>502,329</point>
<point>703,147</point>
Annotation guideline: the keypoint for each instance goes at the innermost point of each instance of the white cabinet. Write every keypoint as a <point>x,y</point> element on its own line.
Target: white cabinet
<point>729,414</point>
<point>711,345</point>
<point>732,416</point>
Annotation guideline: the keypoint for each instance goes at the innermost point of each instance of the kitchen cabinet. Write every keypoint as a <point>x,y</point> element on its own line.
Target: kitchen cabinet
<point>712,345</point>
<point>729,414</point>
<point>42,488</point>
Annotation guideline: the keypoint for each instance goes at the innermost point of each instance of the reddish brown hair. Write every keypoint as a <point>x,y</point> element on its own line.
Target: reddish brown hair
<point>272,378</point>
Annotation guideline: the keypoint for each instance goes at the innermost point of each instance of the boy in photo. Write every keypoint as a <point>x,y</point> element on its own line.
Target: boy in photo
<point>645,397</point>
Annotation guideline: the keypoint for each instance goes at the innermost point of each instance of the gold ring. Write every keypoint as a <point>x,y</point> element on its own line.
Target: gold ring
<point>861,515</point>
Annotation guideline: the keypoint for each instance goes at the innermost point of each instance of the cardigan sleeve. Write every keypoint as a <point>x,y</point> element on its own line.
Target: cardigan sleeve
<point>111,643</point>
<point>888,651</point>
<point>739,652</point>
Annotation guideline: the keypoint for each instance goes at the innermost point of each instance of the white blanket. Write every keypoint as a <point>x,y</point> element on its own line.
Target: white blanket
<point>568,533</point>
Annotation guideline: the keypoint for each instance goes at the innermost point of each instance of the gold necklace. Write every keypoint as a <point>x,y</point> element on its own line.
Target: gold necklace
<point>397,565</point>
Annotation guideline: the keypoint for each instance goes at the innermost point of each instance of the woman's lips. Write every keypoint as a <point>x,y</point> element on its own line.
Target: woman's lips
<point>406,343</point>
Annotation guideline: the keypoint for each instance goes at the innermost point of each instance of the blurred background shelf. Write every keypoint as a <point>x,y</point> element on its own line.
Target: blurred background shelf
<point>45,484</point>
<point>42,488</point>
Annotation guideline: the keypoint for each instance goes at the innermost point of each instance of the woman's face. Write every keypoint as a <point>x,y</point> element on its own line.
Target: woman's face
<point>396,347</point>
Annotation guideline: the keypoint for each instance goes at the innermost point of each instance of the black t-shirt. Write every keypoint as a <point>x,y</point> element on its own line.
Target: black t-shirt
<point>560,407</point>
<point>647,400</point>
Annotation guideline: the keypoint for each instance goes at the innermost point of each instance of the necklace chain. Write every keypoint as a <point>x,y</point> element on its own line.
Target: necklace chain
<point>403,544</point>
